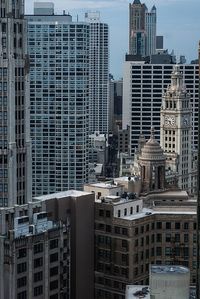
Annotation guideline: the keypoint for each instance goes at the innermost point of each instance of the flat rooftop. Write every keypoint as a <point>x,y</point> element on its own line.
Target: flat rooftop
<point>137,291</point>
<point>103,185</point>
<point>168,269</point>
<point>167,210</point>
<point>142,291</point>
<point>69,193</point>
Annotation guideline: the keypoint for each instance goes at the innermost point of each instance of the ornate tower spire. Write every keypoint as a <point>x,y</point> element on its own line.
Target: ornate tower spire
<point>175,130</point>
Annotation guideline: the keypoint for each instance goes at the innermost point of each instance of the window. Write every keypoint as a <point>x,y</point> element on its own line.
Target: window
<point>38,290</point>
<point>168,238</point>
<point>177,251</point>
<point>53,285</point>
<point>168,225</point>
<point>38,248</point>
<point>108,228</point>
<point>21,282</point>
<point>117,230</point>
<point>137,209</point>
<point>119,213</point>
<point>168,251</point>
<point>38,276</point>
<point>22,253</point>
<point>159,225</point>
<point>158,238</point>
<point>125,212</point>
<point>194,238</point>
<point>108,214</point>
<point>101,213</point>
<point>54,244</point>
<point>186,252</point>
<point>177,237</point>
<point>53,257</point>
<point>131,210</point>
<point>186,225</point>
<point>186,238</point>
<point>124,243</point>
<point>38,262</point>
<point>158,251</point>
<point>124,231</point>
<point>22,295</point>
<point>53,271</point>
<point>177,225</point>
<point>21,268</point>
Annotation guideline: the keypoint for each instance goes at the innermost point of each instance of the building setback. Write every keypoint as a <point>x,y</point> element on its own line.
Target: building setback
<point>59,95</point>
<point>15,146</point>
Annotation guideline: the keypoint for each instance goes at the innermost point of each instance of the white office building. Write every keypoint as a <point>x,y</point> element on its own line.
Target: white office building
<point>59,95</point>
<point>144,85</point>
<point>15,146</point>
<point>98,73</point>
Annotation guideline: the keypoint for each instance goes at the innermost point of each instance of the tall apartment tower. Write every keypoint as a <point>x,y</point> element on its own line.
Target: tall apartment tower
<point>59,95</point>
<point>98,73</point>
<point>143,87</point>
<point>142,29</point>
<point>15,148</point>
<point>175,129</point>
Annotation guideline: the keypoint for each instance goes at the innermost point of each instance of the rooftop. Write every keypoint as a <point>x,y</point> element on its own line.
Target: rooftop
<point>103,185</point>
<point>142,291</point>
<point>137,291</point>
<point>171,269</point>
<point>159,210</point>
<point>69,193</point>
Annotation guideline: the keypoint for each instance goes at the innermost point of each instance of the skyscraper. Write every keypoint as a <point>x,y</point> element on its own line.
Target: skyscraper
<point>59,95</point>
<point>15,148</point>
<point>142,29</point>
<point>142,97</point>
<point>151,31</point>
<point>98,73</point>
<point>137,30</point>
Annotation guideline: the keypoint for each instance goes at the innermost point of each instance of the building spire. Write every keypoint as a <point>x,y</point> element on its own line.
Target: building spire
<point>152,133</point>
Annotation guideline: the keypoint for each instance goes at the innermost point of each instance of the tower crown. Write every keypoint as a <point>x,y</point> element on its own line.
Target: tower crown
<point>177,80</point>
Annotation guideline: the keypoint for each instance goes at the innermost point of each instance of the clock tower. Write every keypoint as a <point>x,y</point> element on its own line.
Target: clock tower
<point>175,132</point>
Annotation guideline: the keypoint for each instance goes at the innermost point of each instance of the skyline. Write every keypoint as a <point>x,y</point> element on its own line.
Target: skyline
<point>183,40</point>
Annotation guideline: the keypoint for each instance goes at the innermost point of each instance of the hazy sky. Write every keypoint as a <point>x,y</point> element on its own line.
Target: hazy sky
<point>177,20</point>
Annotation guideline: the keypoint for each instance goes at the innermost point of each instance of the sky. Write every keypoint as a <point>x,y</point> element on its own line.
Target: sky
<point>177,20</point>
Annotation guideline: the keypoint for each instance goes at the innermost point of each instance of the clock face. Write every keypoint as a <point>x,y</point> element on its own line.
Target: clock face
<point>170,120</point>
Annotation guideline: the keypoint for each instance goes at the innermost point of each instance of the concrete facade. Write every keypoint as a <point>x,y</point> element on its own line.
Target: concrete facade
<point>15,145</point>
<point>59,94</point>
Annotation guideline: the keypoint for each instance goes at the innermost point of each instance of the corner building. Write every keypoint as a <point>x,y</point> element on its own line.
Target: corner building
<point>134,229</point>
<point>59,95</point>
<point>15,146</point>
